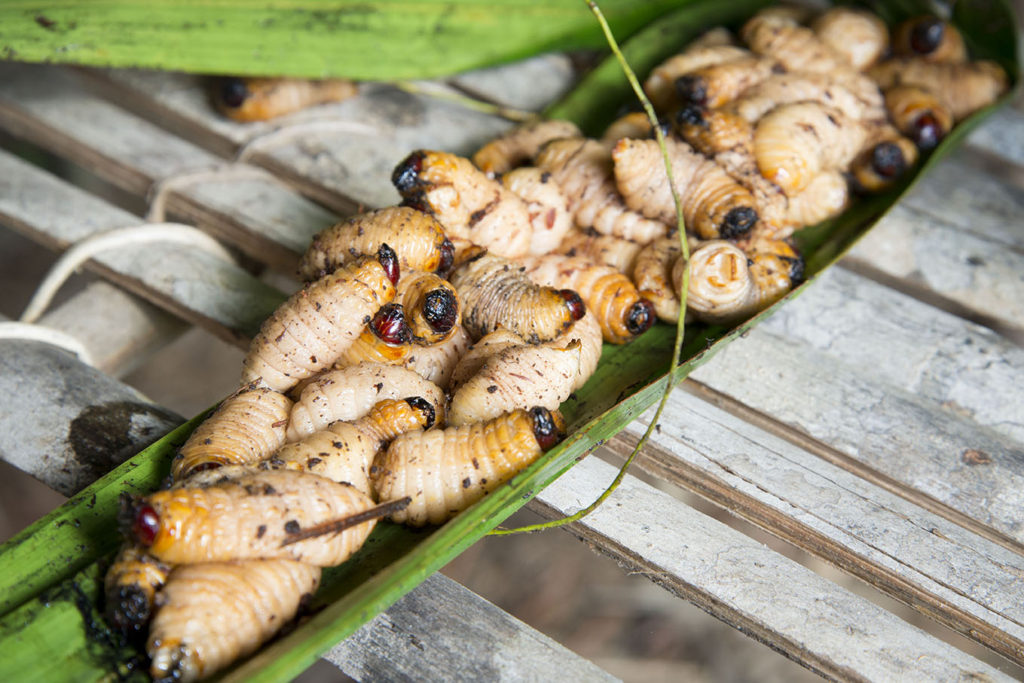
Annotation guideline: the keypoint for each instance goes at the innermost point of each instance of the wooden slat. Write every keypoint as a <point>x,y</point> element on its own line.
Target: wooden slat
<point>751,587</point>
<point>530,84</point>
<point>1002,135</point>
<point>953,575</point>
<point>893,389</point>
<point>444,632</point>
<point>263,218</point>
<point>194,285</point>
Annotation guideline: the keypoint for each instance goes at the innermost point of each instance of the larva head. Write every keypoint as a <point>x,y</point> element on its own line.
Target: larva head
<point>233,92</point>
<point>691,115</point>
<point>887,160</point>
<point>927,131</point>
<point>441,309</point>
<point>692,89</point>
<point>138,520</point>
<point>926,34</point>
<point>128,608</point>
<point>425,408</point>
<point>796,268</point>
<point>387,258</point>
<point>640,316</point>
<point>577,309</point>
<point>447,250</point>
<point>548,426</point>
<point>389,325</point>
<point>406,176</point>
<point>738,222</point>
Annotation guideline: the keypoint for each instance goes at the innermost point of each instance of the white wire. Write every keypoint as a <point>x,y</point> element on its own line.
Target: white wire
<point>32,332</point>
<point>84,250</point>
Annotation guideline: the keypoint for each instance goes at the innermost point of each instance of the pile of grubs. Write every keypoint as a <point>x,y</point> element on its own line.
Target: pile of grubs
<point>424,362</point>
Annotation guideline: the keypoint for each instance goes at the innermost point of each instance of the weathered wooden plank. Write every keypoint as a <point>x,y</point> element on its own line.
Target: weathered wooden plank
<point>66,423</point>
<point>916,399</point>
<point>119,330</point>
<point>192,284</point>
<point>262,217</point>
<point>443,631</point>
<point>751,587</point>
<point>1002,135</point>
<point>953,575</point>
<point>529,84</point>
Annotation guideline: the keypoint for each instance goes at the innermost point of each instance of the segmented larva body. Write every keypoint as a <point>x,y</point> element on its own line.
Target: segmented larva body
<point>248,426</point>
<point>795,47</point>
<point>919,115</point>
<point>962,88</point>
<point>714,205</point>
<point>775,268</point>
<point>660,86</point>
<point>130,587</point>
<point>468,204</point>
<point>884,160</point>
<point>445,471</point>
<point>609,295</point>
<point>795,142</point>
<point>587,331</point>
<point>212,614</point>
<point>497,292</point>
<point>256,516</point>
<point>546,203</point>
<point>416,238</point>
<point>520,144</point>
<point>583,168</point>
<point>929,38</point>
<point>517,377</point>
<point>857,96</point>
<point>711,131</point>
<point>432,307</point>
<point>309,331</point>
<point>652,276</point>
<point>608,250</point>
<point>635,124</point>
<point>715,85</point>
<point>259,99</point>
<point>345,450</point>
<point>858,35</point>
<point>436,362</point>
<point>489,345</point>
<point>827,196</point>
<point>349,393</point>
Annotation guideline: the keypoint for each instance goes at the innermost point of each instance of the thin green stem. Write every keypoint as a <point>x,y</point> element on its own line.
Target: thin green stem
<point>670,380</point>
<point>510,113</point>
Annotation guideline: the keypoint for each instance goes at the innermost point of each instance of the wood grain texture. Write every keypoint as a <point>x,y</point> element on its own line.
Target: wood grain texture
<point>895,387</point>
<point>192,284</point>
<point>443,631</point>
<point>529,84</point>
<point>751,587</point>
<point>263,218</point>
<point>932,564</point>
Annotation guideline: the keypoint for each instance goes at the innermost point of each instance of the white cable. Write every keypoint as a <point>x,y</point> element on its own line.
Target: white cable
<point>283,134</point>
<point>84,250</point>
<point>160,190</point>
<point>10,330</point>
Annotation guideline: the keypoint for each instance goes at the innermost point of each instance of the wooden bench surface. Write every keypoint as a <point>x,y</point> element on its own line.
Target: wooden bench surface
<point>876,421</point>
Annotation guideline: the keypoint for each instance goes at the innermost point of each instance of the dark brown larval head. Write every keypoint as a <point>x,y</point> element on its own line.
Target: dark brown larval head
<point>692,89</point>
<point>233,92</point>
<point>447,250</point>
<point>426,409</point>
<point>441,309</point>
<point>577,309</point>
<point>926,35</point>
<point>640,317</point>
<point>138,520</point>
<point>548,426</point>
<point>738,222</point>
<point>387,258</point>
<point>887,160</point>
<point>927,132</point>
<point>406,176</point>
<point>389,325</point>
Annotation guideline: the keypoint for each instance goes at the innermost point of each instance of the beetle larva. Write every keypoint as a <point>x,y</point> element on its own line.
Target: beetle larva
<point>345,450</point>
<point>257,515</point>
<point>710,131</point>
<point>795,142</point>
<point>130,587</point>
<point>715,85</point>
<point>858,35</point>
<point>721,289</point>
<point>211,614</point>
<point>445,471</point>
<point>660,85</point>
<point>349,393</point>
<point>606,249</point>
<point>432,307</point>
<point>583,168</point>
<point>884,160</point>
<point>930,38</point>
<point>546,203</point>
<point>520,144</point>
<point>587,331</point>
<point>609,295</point>
<point>962,88</point>
<point>496,292</point>
<point>826,196</point>
<point>635,124</point>
<point>259,99</point>
<point>652,275</point>
<point>856,96</point>
<point>387,338</point>
<point>416,237</point>
<point>517,377</point>
<point>467,203</point>
<point>248,426</point>
<point>795,47</point>
<point>489,345</point>
<point>919,115</point>
<point>436,362</point>
<point>775,267</point>
<point>714,205</point>
<point>309,331</point>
